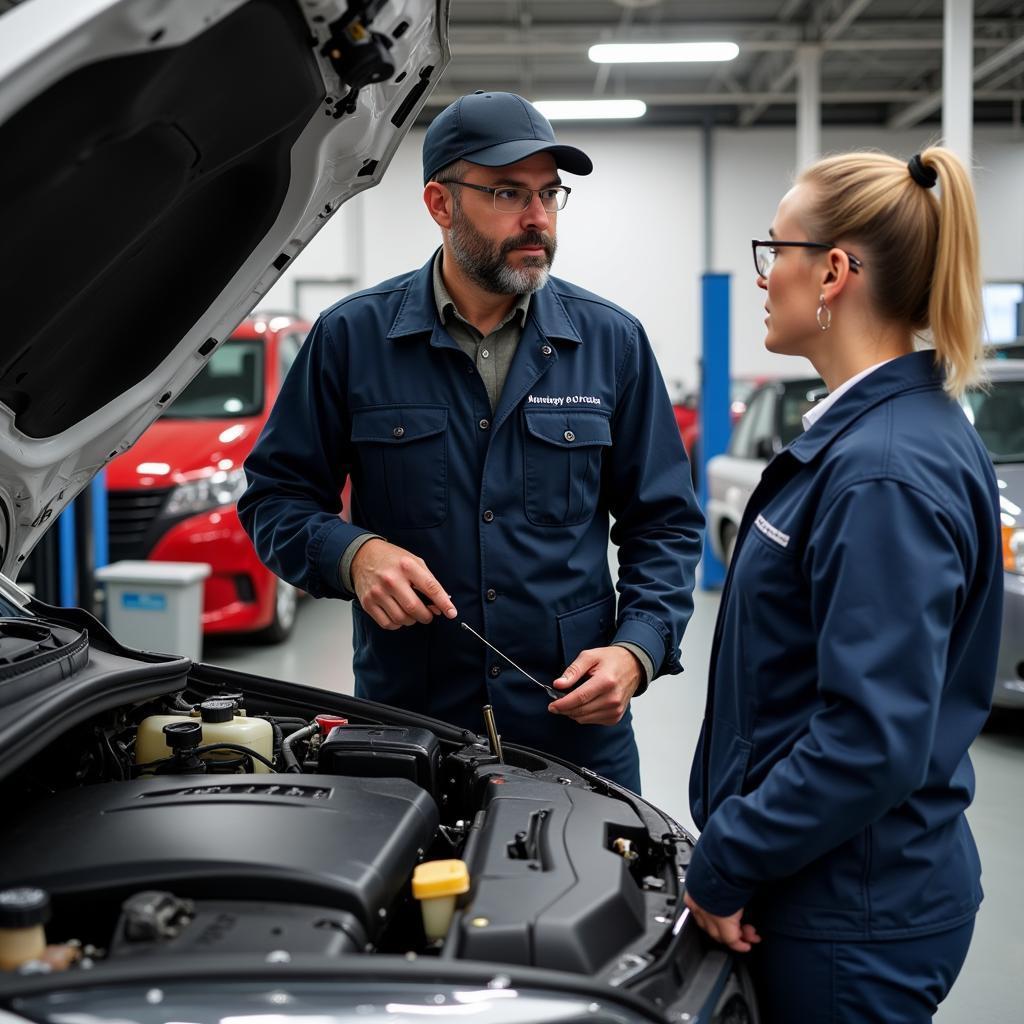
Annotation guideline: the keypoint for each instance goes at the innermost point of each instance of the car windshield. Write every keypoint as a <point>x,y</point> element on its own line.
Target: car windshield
<point>230,384</point>
<point>797,398</point>
<point>998,416</point>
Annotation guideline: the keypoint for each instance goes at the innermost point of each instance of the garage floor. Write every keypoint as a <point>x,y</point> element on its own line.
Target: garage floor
<point>667,721</point>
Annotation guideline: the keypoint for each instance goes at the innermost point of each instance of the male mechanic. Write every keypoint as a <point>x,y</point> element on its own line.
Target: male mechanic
<point>490,417</point>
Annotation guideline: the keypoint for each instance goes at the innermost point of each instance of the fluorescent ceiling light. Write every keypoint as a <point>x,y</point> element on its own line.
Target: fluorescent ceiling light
<point>660,53</point>
<point>580,110</point>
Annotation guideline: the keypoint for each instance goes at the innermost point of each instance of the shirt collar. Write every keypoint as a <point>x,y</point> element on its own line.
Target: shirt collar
<point>820,408</point>
<point>914,372</point>
<point>418,315</point>
<point>446,307</point>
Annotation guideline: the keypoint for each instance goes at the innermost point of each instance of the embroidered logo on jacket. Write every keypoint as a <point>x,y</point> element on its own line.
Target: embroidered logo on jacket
<point>772,532</point>
<point>563,400</point>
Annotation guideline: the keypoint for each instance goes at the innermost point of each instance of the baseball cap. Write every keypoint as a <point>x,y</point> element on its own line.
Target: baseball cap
<point>494,129</point>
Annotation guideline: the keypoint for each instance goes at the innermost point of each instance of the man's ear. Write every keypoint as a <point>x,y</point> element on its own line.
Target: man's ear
<point>836,274</point>
<point>439,203</point>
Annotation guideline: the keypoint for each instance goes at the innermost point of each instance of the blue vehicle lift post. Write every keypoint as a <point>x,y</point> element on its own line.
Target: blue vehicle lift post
<point>715,425</point>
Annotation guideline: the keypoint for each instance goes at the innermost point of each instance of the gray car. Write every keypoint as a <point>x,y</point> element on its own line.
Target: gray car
<point>773,419</point>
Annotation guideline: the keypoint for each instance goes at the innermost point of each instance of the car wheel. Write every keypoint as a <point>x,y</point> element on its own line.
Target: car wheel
<point>728,542</point>
<point>286,604</point>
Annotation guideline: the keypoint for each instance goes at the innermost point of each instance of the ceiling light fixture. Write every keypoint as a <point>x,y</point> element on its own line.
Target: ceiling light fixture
<point>661,53</point>
<point>590,110</point>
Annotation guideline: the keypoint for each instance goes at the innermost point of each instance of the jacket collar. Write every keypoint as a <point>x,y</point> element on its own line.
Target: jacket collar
<point>914,372</point>
<point>418,311</point>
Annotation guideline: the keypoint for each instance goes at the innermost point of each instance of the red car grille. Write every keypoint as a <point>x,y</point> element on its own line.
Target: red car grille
<point>131,517</point>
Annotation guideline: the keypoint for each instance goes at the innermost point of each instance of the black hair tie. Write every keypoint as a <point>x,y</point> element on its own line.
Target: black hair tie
<point>923,175</point>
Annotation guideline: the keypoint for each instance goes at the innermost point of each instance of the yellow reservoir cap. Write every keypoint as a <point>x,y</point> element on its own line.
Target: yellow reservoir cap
<point>440,878</point>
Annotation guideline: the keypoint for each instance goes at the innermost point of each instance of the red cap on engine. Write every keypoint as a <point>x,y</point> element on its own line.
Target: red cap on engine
<point>328,722</point>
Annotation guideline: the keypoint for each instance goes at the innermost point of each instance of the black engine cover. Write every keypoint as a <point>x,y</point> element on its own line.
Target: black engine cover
<point>345,843</point>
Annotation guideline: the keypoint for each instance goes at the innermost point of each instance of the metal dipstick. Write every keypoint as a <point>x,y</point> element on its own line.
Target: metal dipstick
<point>549,690</point>
<point>492,732</point>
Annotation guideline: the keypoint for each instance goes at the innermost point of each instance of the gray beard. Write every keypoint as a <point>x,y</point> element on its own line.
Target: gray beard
<point>485,263</point>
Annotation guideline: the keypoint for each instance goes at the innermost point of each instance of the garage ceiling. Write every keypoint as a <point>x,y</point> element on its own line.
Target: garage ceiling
<point>881,59</point>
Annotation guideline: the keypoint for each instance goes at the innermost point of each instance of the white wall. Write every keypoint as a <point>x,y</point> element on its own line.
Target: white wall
<point>633,230</point>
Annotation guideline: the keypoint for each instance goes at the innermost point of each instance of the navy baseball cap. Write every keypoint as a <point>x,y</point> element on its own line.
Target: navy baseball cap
<point>494,129</point>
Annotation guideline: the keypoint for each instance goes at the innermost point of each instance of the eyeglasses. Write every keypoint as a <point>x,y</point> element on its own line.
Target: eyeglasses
<point>513,199</point>
<point>765,253</point>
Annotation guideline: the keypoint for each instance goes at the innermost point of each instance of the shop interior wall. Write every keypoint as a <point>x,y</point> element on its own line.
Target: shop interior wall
<point>633,230</point>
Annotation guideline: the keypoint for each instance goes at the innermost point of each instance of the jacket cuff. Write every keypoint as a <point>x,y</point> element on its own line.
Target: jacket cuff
<point>710,890</point>
<point>326,551</point>
<point>644,635</point>
<point>345,571</point>
<point>646,664</point>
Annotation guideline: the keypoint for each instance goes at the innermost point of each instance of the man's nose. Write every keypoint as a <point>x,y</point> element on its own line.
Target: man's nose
<point>535,216</point>
<point>762,282</point>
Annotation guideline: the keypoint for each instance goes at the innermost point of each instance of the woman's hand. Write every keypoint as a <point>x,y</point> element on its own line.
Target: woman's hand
<point>730,931</point>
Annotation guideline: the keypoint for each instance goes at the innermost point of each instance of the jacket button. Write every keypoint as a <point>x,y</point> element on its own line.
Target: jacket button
<point>569,436</point>
<point>485,424</point>
<point>398,431</point>
<point>488,516</point>
<point>492,595</point>
<point>547,350</point>
<point>495,671</point>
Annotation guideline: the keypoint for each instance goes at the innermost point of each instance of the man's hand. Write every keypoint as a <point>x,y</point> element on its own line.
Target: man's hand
<point>386,580</point>
<point>730,931</point>
<point>614,676</point>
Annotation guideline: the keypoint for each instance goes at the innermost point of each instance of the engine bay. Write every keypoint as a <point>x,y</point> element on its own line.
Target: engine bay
<point>212,820</point>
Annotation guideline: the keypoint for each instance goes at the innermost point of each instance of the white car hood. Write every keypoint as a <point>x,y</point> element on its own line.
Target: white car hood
<point>163,162</point>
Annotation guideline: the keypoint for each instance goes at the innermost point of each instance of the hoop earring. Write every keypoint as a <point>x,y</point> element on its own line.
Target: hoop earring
<point>824,314</point>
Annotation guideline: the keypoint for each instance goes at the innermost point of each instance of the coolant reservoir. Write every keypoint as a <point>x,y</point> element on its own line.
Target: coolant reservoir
<point>220,725</point>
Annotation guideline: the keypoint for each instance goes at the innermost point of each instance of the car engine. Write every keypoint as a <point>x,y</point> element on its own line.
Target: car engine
<point>177,839</point>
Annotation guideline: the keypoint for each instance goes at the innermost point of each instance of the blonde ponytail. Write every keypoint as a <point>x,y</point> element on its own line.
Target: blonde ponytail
<point>923,251</point>
<point>954,304</point>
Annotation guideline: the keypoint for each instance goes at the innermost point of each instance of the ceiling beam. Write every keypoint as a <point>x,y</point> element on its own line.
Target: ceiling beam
<point>566,48</point>
<point>911,115</point>
<point>440,98</point>
<point>788,73</point>
<point>789,9</point>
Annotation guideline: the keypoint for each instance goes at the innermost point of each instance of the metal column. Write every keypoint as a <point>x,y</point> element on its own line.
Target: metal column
<point>808,106</point>
<point>958,78</point>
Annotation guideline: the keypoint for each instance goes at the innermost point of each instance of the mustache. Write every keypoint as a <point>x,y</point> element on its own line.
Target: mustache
<point>529,238</point>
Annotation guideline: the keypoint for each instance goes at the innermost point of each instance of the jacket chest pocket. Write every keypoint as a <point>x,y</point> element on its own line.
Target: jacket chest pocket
<point>562,465</point>
<point>403,457</point>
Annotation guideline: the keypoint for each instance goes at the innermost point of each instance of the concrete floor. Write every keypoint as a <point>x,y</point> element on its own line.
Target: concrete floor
<point>667,719</point>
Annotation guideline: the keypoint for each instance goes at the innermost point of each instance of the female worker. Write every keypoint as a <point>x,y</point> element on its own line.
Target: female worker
<point>856,642</point>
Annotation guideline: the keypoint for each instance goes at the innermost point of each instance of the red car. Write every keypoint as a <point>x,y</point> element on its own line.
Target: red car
<point>171,497</point>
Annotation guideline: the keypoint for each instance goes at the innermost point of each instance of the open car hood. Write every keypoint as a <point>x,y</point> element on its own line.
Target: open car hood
<point>164,161</point>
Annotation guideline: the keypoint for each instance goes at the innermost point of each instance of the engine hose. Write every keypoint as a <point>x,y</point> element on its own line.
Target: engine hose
<point>288,754</point>
<point>278,738</point>
<point>238,748</point>
<point>206,749</point>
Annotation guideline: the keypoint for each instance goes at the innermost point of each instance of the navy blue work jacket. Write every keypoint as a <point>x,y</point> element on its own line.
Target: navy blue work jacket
<point>853,664</point>
<point>509,510</point>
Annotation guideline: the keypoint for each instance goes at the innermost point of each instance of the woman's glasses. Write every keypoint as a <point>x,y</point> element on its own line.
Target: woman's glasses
<point>765,252</point>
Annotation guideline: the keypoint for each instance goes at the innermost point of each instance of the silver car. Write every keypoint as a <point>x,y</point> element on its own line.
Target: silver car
<point>773,419</point>
<point>998,415</point>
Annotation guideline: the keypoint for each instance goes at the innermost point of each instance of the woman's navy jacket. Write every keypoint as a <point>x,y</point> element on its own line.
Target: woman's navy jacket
<point>853,664</point>
<point>509,509</point>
